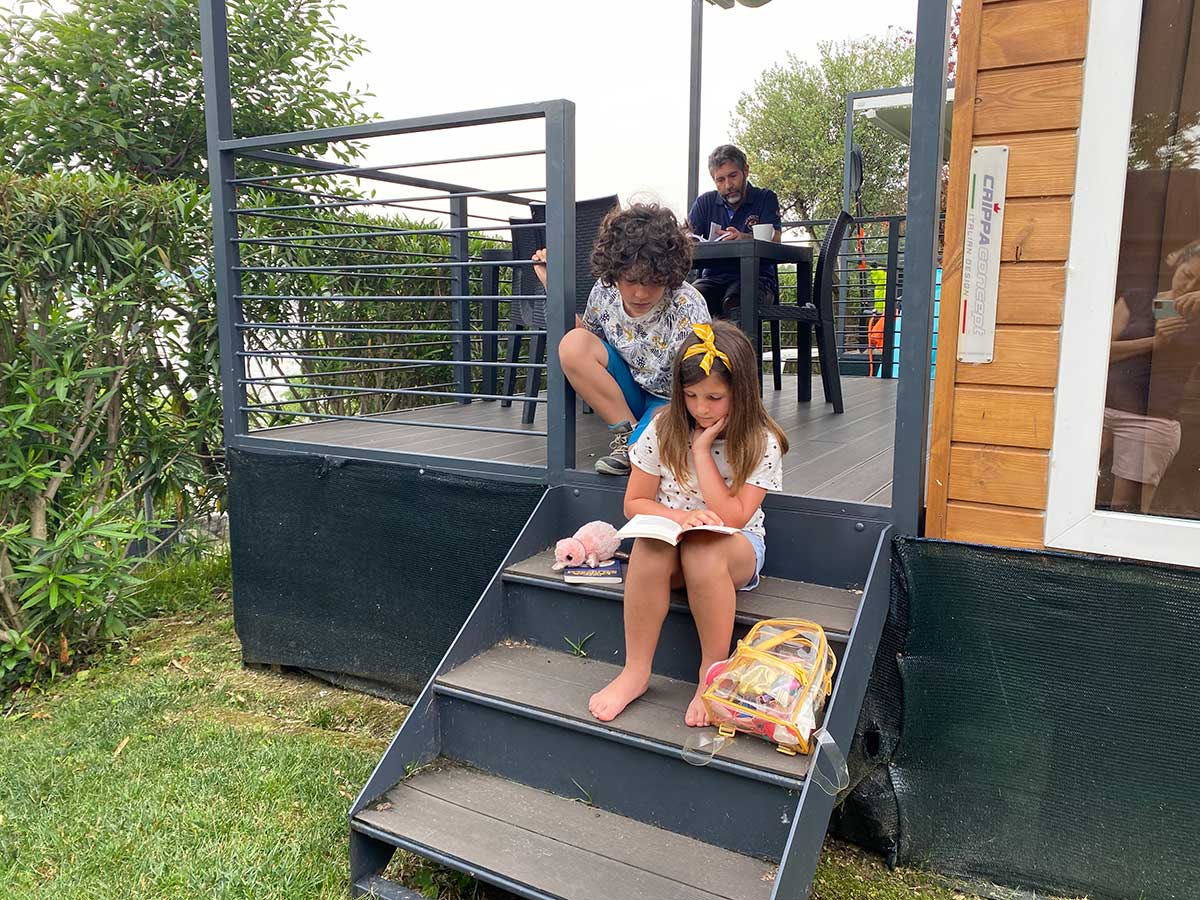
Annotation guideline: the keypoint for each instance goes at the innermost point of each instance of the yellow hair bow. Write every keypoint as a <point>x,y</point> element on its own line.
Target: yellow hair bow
<point>708,347</point>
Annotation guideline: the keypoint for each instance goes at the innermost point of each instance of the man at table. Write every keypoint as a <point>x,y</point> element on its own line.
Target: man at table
<point>735,207</point>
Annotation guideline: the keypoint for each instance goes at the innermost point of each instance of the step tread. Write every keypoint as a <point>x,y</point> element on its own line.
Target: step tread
<point>774,598</point>
<point>561,684</point>
<point>563,848</point>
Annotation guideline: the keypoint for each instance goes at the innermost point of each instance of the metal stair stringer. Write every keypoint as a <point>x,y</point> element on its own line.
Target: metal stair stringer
<point>807,837</point>
<point>418,741</point>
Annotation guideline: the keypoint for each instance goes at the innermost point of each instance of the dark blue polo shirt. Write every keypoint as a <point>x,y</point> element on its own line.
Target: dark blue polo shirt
<point>759,207</point>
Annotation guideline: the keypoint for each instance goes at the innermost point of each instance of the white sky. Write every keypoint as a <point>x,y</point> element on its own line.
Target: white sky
<point>624,63</point>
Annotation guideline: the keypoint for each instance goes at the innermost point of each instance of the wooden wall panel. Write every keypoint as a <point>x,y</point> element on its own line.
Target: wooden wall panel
<point>1024,356</point>
<point>999,475</point>
<point>1005,526</point>
<point>1016,417</point>
<point>1031,293</point>
<point>1039,165</point>
<point>1036,230</point>
<point>1020,83</point>
<point>1020,34</point>
<point>1031,98</point>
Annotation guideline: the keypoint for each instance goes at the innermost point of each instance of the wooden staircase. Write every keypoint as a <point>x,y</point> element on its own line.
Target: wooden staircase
<point>501,772</point>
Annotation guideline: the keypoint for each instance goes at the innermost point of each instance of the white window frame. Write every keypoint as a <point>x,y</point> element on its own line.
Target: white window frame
<point>1072,520</point>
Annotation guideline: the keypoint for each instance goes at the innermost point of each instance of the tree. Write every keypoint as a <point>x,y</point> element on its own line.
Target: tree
<point>117,85</point>
<point>791,126</point>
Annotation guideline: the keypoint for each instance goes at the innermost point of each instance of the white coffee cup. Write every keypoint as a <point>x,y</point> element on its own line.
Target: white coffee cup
<point>764,232</point>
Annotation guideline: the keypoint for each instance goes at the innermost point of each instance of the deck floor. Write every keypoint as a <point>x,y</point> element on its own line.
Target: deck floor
<point>846,457</point>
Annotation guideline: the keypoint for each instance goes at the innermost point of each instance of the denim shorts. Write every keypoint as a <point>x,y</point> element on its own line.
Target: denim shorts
<point>760,554</point>
<point>641,402</point>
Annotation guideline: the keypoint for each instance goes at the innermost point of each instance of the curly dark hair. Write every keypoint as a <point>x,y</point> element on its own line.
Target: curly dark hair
<point>644,243</point>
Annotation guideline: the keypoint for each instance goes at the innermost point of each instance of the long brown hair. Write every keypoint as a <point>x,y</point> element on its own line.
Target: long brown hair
<point>745,430</point>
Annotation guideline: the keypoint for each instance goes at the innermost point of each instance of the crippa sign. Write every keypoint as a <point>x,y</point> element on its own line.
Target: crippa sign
<point>981,253</point>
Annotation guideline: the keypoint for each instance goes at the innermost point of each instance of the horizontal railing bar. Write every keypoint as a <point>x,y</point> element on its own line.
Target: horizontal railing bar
<point>271,354</point>
<point>306,327</point>
<point>376,250</point>
<point>439,122</point>
<point>357,267</point>
<point>319,398</point>
<point>324,166</point>
<point>346,170</point>
<point>309,220</point>
<point>387,346</point>
<point>403,297</point>
<point>374,370</point>
<point>418,393</point>
<point>372,322</point>
<point>406,392</point>
<point>375,420</point>
<point>390,232</point>
<point>344,204</point>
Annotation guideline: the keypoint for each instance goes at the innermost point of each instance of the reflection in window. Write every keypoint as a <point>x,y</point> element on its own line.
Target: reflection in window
<point>1150,453</point>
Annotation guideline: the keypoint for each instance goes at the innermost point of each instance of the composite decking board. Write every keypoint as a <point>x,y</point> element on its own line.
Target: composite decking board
<point>774,598</point>
<point>847,440</point>
<point>564,848</point>
<point>874,472</point>
<point>560,683</point>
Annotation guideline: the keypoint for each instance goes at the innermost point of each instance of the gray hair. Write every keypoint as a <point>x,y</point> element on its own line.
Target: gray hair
<point>727,153</point>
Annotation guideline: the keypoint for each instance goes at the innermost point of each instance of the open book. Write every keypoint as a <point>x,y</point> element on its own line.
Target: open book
<point>714,234</point>
<point>660,528</point>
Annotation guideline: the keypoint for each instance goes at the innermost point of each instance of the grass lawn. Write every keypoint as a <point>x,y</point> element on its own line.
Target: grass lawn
<point>169,770</point>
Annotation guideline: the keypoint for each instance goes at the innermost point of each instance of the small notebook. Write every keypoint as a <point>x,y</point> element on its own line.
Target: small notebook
<point>606,573</point>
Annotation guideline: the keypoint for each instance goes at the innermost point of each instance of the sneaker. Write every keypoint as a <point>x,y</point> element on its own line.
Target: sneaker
<point>617,460</point>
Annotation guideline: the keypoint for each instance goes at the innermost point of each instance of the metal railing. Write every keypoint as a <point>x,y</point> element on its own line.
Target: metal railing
<point>868,290</point>
<point>345,299</point>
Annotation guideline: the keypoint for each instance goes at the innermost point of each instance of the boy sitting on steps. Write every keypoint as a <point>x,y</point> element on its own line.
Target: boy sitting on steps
<point>640,311</point>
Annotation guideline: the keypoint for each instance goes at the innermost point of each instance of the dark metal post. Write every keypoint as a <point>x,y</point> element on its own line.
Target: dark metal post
<point>920,262</point>
<point>560,289</point>
<point>461,279</point>
<point>889,302</point>
<point>218,118</point>
<point>693,182</point>
<point>843,287</point>
<point>491,315</point>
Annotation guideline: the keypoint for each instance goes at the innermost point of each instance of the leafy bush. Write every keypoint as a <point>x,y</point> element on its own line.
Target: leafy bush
<point>108,399</point>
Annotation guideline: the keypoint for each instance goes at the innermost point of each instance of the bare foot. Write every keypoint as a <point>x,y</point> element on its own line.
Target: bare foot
<point>608,703</point>
<point>697,714</point>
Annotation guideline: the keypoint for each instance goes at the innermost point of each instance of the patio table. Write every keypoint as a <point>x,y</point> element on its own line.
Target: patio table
<point>750,254</point>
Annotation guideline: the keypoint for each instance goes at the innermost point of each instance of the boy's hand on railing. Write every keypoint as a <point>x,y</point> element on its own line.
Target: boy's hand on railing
<point>539,256</point>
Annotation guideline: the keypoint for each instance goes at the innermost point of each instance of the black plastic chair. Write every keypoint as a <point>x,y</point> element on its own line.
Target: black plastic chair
<point>816,315</point>
<point>530,315</point>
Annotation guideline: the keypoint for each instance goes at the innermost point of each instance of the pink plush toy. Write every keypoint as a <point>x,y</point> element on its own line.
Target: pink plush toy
<point>593,544</point>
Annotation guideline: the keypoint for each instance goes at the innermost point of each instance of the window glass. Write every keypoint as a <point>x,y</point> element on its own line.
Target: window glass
<point>1150,453</point>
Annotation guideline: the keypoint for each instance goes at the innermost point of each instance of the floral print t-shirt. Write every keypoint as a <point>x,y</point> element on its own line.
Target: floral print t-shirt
<point>648,344</point>
<point>768,475</point>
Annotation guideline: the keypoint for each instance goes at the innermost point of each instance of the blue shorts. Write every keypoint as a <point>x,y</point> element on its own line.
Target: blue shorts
<point>641,402</point>
<point>760,554</point>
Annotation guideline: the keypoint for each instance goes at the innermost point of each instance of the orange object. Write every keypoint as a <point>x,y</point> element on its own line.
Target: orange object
<point>874,341</point>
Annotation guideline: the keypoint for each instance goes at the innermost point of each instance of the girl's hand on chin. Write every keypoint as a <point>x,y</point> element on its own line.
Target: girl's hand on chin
<point>705,436</point>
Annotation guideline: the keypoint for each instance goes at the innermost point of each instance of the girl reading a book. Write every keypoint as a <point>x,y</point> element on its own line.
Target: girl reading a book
<point>708,459</point>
